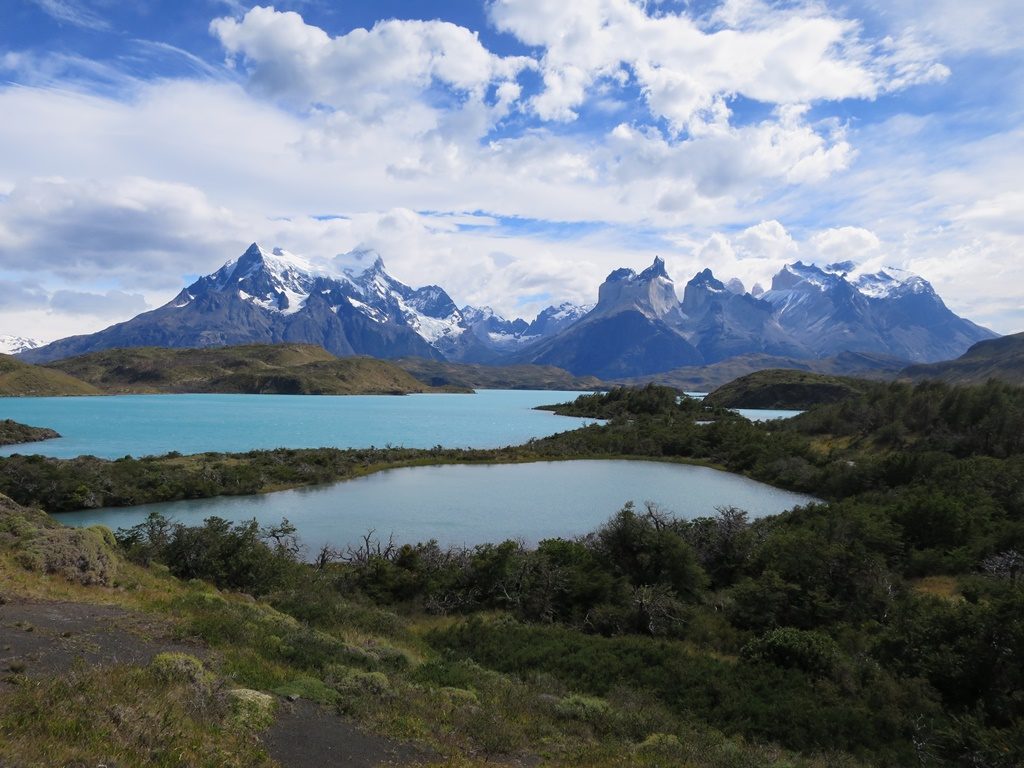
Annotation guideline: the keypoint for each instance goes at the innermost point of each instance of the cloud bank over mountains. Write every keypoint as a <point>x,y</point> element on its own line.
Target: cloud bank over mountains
<point>540,147</point>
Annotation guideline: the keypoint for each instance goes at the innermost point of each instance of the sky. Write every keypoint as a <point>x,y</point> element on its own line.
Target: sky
<point>512,151</point>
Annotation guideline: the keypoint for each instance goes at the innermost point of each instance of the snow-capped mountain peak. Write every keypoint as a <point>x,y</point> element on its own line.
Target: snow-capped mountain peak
<point>275,280</point>
<point>12,345</point>
<point>637,327</point>
<point>804,276</point>
<point>891,282</point>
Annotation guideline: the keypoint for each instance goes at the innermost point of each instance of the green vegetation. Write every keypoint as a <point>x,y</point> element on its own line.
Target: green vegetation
<point>784,389</point>
<point>282,369</point>
<point>1001,359</point>
<point>885,627</point>
<point>436,373</point>
<point>13,433</point>
<point>21,379</point>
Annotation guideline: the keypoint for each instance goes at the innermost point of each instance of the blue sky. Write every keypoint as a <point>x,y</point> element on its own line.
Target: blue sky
<point>513,151</point>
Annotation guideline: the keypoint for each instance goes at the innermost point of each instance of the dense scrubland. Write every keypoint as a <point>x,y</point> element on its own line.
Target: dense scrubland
<point>883,627</point>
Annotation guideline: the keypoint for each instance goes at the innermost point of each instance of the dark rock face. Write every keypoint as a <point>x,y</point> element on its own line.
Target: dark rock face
<point>625,344</point>
<point>724,322</point>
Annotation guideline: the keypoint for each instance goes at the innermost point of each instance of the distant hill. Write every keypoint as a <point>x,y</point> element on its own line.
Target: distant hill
<point>1001,359</point>
<point>785,389</point>
<point>285,369</point>
<point>705,378</point>
<point>439,374</point>
<point>22,379</point>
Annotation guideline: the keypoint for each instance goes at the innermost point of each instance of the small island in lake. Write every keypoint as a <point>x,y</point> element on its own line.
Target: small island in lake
<point>13,433</point>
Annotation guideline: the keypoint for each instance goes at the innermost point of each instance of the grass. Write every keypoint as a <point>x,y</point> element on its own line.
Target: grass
<point>944,587</point>
<point>122,715</point>
<point>371,665</point>
<point>18,379</point>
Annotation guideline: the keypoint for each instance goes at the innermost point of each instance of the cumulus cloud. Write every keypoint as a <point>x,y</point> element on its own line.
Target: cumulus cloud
<point>840,244</point>
<point>723,123</point>
<point>687,67</point>
<point>133,229</point>
<point>20,294</point>
<point>371,74</point>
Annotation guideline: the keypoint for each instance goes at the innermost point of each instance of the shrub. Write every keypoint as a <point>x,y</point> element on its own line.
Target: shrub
<point>792,648</point>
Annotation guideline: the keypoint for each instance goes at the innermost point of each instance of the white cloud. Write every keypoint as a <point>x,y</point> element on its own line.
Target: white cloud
<point>768,240</point>
<point>73,12</point>
<point>134,184</point>
<point>787,55</point>
<point>991,26</point>
<point>840,244</point>
<point>135,230</point>
<point>370,74</point>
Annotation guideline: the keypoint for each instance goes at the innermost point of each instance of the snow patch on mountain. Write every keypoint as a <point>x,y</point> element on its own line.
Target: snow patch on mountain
<point>891,282</point>
<point>12,345</point>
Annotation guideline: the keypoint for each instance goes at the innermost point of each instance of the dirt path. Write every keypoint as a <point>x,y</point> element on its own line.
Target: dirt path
<point>306,735</point>
<point>49,638</point>
<point>40,639</point>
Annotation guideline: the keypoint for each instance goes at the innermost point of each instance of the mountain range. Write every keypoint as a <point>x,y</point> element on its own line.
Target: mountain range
<point>637,327</point>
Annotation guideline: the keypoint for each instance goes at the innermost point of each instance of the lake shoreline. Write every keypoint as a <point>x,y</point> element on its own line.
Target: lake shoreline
<point>468,504</point>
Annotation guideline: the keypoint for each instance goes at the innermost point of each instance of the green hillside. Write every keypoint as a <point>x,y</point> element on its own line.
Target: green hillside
<point>22,379</point>
<point>282,369</point>
<point>785,389</point>
<point>441,374</point>
<point>705,378</point>
<point>1001,359</point>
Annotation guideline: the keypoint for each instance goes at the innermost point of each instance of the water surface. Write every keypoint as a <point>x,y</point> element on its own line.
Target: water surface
<point>473,504</point>
<point>145,425</point>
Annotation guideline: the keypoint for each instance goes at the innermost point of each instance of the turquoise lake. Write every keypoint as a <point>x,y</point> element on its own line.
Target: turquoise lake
<point>454,504</point>
<point>146,425</point>
<point>473,504</point>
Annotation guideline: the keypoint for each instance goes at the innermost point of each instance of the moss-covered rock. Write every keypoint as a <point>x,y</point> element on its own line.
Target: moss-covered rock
<point>364,683</point>
<point>251,710</point>
<point>181,668</point>
<point>81,555</point>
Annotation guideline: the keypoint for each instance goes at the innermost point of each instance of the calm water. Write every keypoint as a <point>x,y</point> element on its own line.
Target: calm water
<point>765,414</point>
<point>460,504</point>
<point>142,425</point>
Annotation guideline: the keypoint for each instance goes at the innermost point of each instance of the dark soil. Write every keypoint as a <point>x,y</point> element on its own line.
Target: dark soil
<point>306,735</point>
<point>50,638</point>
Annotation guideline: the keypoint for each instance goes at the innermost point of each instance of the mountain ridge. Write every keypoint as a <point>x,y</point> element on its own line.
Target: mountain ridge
<point>637,327</point>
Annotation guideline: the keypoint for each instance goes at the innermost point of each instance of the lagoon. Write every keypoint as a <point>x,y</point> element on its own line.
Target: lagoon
<point>472,504</point>
<point>145,425</point>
